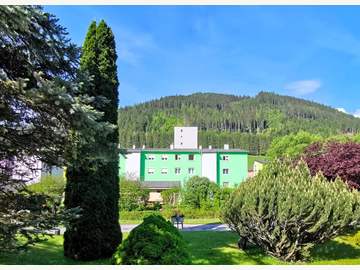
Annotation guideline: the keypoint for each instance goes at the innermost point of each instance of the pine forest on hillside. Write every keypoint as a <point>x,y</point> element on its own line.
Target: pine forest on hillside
<point>243,122</point>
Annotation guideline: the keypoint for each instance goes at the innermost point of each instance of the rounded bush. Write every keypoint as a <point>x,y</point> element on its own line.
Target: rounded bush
<point>155,241</point>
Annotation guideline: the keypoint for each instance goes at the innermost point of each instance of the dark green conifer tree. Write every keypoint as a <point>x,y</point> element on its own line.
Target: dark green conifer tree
<point>95,188</point>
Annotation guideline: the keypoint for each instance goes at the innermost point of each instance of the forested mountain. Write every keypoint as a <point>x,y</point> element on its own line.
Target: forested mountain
<point>241,121</point>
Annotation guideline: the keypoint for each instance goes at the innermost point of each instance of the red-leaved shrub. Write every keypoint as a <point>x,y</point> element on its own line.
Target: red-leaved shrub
<point>335,159</point>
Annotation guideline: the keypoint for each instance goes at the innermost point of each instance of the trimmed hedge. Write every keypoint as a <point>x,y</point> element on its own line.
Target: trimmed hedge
<point>168,212</point>
<point>137,215</point>
<point>155,241</point>
<point>190,213</point>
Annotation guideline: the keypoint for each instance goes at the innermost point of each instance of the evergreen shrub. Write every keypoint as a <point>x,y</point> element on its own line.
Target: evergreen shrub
<point>155,241</point>
<point>286,211</point>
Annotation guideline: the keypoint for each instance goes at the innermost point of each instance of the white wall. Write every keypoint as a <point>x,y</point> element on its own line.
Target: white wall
<point>185,137</point>
<point>28,170</point>
<point>132,166</point>
<point>208,166</point>
<point>257,167</point>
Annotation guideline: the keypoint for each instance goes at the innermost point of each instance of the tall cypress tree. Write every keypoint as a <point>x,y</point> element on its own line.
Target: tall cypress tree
<point>95,188</point>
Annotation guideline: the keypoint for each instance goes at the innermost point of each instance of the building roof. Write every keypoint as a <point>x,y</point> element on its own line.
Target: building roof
<point>161,184</point>
<point>262,161</point>
<point>196,150</point>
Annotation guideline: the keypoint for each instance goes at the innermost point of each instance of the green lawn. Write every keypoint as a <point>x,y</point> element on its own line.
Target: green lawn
<point>205,248</point>
<point>48,252</point>
<point>221,248</point>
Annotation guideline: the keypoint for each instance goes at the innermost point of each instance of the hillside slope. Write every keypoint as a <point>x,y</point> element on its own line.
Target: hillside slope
<point>246,122</point>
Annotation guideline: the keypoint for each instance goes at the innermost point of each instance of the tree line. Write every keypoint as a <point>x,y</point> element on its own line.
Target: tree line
<point>244,122</point>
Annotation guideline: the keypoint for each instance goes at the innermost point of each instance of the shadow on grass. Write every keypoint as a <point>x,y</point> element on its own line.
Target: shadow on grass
<point>260,257</point>
<point>207,247</point>
<point>47,252</point>
<point>344,247</point>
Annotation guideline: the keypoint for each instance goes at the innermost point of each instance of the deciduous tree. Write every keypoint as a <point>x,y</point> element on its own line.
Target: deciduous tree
<point>292,145</point>
<point>335,159</point>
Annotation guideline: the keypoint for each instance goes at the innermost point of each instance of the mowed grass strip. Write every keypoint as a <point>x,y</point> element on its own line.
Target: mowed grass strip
<point>205,248</point>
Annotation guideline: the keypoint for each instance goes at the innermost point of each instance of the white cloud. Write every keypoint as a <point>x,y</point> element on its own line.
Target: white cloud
<point>357,113</point>
<point>303,87</point>
<point>341,110</point>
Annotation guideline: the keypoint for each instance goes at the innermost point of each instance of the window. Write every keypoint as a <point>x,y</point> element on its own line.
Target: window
<point>177,170</point>
<point>164,157</point>
<point>151,171</point>
<point>225,157</point>
<point>151,157</point>
<point>191,170</point>
<point>164,171</point>
<point>225,184</point>
<point>177,157</point>
<point>225,171</point>
<point>191,157</point>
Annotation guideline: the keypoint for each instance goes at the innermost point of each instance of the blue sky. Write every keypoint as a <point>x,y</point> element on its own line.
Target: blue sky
<point>309,52</point>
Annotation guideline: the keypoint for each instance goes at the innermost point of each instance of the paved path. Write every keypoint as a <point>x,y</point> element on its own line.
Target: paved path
<point>187,227</point>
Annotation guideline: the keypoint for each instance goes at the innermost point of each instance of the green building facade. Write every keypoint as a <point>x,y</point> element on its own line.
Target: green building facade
<point>173,167</point>
<point>232,167</point>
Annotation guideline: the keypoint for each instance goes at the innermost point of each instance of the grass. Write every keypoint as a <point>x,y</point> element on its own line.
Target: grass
<point>221,248</point>
<point>186,221</point>
<point>205,248</point>
<point>342,250</point>
<point>48,252</point>
<point>252,158</point>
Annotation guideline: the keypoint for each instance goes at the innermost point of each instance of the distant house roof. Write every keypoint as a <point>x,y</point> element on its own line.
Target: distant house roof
<point>261,161</point>
<point>206,150</point>
<point>161,184</point>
